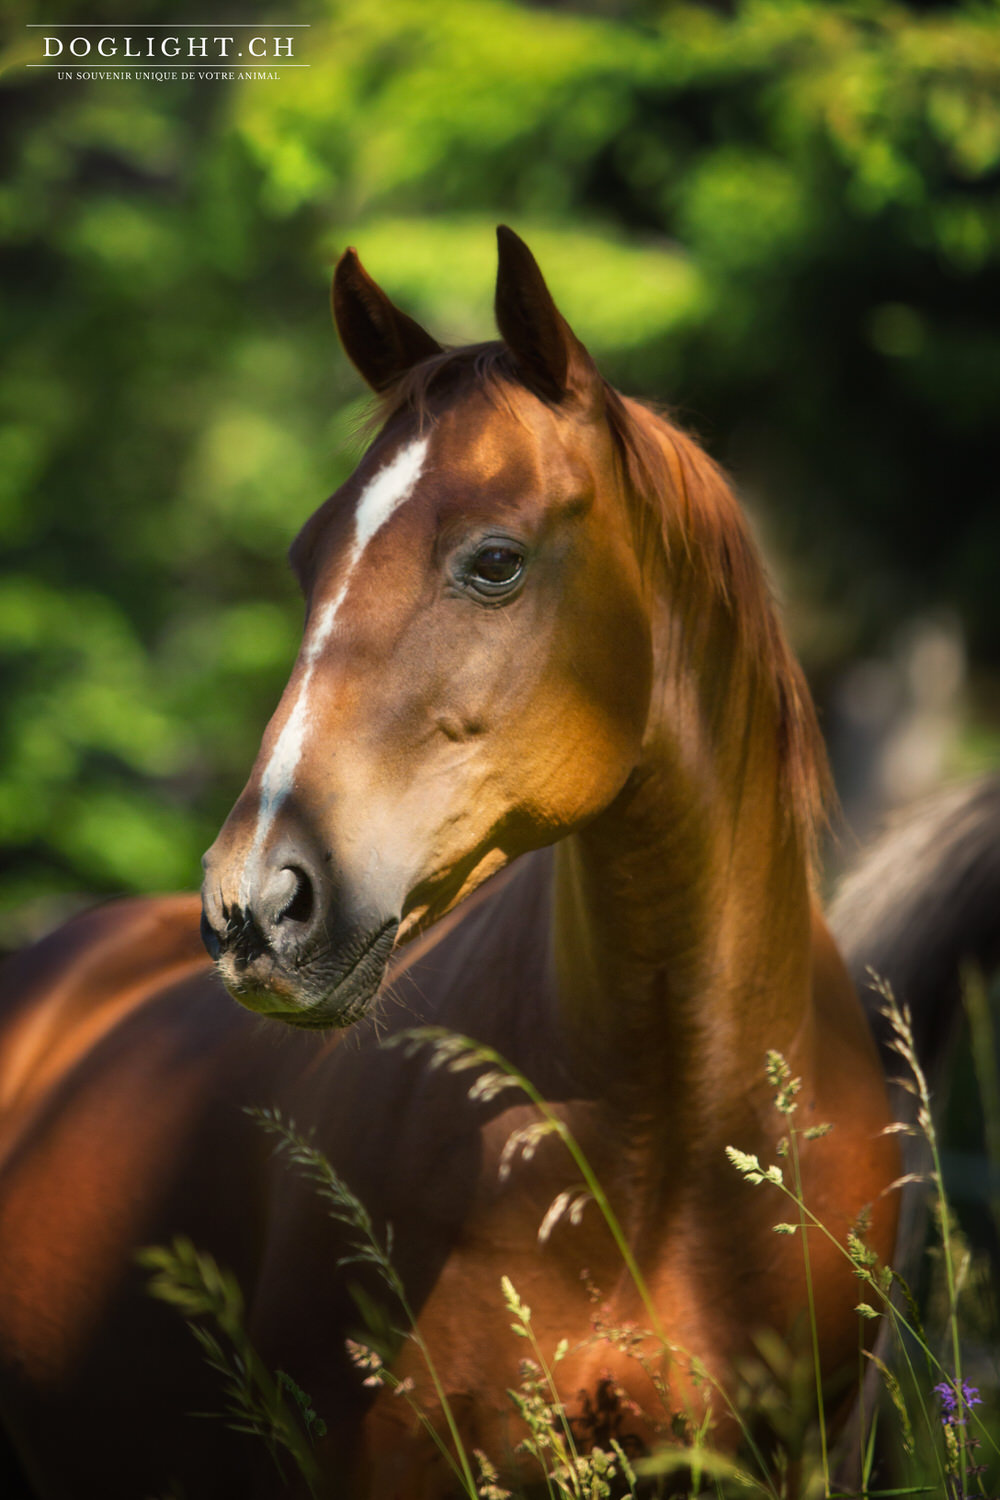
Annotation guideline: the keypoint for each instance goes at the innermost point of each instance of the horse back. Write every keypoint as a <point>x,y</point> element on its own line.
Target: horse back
<point>57,997</point>
<point>125,1072</point>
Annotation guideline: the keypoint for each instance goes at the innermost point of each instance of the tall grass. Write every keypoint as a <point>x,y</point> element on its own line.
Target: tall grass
<point>927,1422</point>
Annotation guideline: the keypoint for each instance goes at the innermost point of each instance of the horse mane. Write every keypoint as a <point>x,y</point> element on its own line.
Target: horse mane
<point>682,497</point>
<point>691,502</point>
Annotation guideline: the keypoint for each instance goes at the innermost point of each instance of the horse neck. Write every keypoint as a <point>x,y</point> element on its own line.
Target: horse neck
<point>682,913</point>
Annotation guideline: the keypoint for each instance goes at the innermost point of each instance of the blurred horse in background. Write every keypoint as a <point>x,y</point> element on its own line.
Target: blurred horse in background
<point>537,631</point>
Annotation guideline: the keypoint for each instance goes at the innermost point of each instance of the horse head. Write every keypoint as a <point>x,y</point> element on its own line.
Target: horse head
<point>474,676</point>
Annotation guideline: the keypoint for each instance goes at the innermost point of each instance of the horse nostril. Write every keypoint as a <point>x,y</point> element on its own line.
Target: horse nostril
<point>299,905</point>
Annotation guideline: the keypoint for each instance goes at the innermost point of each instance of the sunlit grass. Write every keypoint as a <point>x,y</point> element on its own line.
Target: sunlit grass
<point>929,1425</point>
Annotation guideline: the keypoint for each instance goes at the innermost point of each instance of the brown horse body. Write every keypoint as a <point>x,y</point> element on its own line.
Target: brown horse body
<point>535,619</point>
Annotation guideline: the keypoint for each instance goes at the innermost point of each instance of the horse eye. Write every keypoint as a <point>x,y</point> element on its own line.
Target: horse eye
<point>497,564</point>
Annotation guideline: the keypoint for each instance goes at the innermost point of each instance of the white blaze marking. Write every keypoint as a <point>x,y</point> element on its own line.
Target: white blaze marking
<point>380,499</point>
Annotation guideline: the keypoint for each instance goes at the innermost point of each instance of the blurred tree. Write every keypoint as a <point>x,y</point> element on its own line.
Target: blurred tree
<point>784,215</point>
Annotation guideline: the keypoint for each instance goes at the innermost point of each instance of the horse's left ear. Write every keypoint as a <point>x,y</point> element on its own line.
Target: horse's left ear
<point>379,339</point>
<point>552,359</point>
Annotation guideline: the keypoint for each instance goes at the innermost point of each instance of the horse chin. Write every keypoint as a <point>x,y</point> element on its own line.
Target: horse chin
<point>330,990</point>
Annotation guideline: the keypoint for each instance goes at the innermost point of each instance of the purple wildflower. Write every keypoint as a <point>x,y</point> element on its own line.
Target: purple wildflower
<point>948,1394</point>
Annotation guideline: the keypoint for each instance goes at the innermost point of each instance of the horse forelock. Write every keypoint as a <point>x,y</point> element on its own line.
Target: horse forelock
<point>681,501</point>
<point>423,390</point>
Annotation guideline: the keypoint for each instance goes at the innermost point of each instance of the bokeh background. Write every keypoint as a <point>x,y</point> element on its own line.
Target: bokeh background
<point>781,219</point>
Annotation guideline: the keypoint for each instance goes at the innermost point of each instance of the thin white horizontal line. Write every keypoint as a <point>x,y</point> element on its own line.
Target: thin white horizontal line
<point>259,65</point>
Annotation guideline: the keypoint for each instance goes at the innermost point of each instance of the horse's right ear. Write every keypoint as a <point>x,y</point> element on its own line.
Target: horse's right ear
<point>551,358</point>
<point>382,342</point>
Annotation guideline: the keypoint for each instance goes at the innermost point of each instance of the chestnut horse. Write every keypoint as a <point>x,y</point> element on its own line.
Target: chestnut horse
<point>537,630</point>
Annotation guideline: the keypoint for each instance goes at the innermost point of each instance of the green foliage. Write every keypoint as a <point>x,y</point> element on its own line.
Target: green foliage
<point>939,1445</point>
<point>270,1407</point>
<point>783,214</point>
<point>370,1248</point>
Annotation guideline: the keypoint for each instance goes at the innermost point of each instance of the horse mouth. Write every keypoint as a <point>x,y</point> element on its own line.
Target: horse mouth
<point>325,990</point>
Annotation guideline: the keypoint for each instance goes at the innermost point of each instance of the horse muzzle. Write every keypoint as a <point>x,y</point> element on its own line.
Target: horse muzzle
<point>286,948</point>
